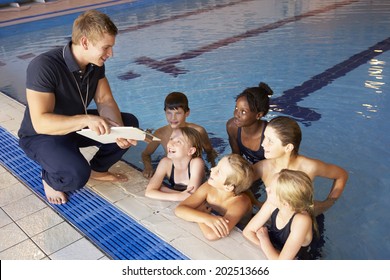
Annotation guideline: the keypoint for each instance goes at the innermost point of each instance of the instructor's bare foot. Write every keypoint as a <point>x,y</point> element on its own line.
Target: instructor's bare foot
<point>53,196</point>
<point>108,176</point>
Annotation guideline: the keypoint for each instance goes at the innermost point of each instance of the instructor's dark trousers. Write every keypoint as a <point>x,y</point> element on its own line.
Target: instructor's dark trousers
<point>64,168</point>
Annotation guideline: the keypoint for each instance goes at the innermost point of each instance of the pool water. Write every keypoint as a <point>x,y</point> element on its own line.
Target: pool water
<point>327,62</point>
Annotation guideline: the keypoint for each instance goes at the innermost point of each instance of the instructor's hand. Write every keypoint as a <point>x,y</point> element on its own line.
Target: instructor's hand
<point>126,143</point>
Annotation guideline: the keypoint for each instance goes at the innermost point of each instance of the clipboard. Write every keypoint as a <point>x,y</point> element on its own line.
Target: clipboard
<point>127,132</point>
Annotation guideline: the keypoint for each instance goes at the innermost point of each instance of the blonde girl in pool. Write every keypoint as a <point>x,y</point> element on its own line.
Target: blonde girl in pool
<point>290,209</point>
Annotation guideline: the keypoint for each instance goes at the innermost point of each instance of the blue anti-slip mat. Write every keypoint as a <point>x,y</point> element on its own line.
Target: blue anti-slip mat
<point>118,235</point>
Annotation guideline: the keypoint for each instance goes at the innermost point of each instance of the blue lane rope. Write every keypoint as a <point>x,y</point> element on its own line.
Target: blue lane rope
<point>114,232</point>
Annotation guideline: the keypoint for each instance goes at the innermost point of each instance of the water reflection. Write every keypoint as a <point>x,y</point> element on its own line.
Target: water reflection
<point>376,71</point>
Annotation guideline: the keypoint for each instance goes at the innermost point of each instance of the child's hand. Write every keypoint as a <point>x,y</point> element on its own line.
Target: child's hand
<point>148,172</point>
<point>262,233</point>
<point>219,225</point>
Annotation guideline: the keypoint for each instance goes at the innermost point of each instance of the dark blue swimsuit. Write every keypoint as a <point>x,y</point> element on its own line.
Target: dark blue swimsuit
<point>253,157</point>
<point>173,185</point>
<point>279,237</point>
<point>250,155</point>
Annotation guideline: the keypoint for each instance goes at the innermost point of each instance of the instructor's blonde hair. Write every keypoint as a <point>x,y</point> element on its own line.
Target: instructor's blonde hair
<point>93,25</point>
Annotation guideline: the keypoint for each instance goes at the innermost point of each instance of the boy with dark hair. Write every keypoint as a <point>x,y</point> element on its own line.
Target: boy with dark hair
<point>176,111</point>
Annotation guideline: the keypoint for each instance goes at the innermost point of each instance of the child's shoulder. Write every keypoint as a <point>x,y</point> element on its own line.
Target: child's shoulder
<point>197,161</point>
<point>240,199</point>
<point>301,220</point>
<point>163,132</point>
<point>206,186</point>
<point>241,202</point>
<point>265,164</point>
<point>243,198</point>
<point>198,127</point>
<point>231,126</point>
<point>162,129</point>
<point>165,161</point>
<point>307,164</point>
<point>204,190</point>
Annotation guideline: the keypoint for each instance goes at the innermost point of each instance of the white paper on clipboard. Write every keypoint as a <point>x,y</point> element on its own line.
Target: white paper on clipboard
<point>127,132</point>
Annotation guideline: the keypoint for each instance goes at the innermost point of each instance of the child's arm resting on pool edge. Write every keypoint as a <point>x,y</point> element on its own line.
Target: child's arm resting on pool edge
<point>213,227</point>
<point>192,209</point>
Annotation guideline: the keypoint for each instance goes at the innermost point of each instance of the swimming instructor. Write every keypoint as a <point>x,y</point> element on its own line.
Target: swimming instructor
<point>60,85</point>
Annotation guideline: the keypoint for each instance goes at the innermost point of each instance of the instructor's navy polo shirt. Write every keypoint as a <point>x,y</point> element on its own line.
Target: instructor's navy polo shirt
<point>56,71</point>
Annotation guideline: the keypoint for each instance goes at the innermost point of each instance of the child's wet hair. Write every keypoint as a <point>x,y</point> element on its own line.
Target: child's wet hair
<point>176,100</point>
<point>257,97</point>
<point>194,139</point>
<point>242,176</point>
<point>296,189</point>
<point>288,131</point>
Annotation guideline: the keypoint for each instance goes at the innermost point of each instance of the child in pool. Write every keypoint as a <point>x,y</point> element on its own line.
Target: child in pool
<point>223,193</point>
<point>246,129</point>
<point>281,145</point>
<point>290,209</point>
<point>183,166</point>
<point>176,111</point>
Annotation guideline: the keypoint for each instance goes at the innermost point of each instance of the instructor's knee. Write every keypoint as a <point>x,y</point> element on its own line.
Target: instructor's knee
<point>130,120</point>
<point>81,177</point>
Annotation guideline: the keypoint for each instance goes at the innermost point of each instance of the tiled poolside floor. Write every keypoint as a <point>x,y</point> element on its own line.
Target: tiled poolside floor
<point>31,229</point>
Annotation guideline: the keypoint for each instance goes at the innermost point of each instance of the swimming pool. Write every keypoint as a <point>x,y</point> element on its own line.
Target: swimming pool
<point>327,62</point>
